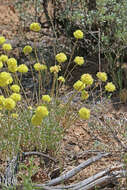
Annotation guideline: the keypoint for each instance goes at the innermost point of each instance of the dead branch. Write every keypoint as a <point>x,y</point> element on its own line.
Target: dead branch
<point>39,154</point>
<point>75,170</point>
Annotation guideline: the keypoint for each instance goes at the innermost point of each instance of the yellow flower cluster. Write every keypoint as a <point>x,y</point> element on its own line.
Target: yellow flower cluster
<point>87,79</point>
<point>1,65</point>
<point>110,87</point>
<point>5,79</point>
<point>55,69</point>
<point>2,39</point>
<point>35,26</point>
<point>3,58</point>
<point>14,115</point>
<point>12,65</point>
<point>79,60</point>
<point>27,50</point>
<point>9,104</point>
<point>62,79</point>
<point>61,57</point>
<point>39,67</point>
<point>78,34</point>
<point>84,95</point>
<point>84,113</point>
<point>40,113</point>
<point>22,68</point>
<point>2,99</point>
<point>46,98</point>
<point>15,88</point>
<point>7,47</point>
<point>16,97</point>
<point>79,85</point>
<point>102,76</point>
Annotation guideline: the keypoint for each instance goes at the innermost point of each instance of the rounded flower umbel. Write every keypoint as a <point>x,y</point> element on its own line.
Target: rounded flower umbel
<point>2,40</point>
<point>62,79</point>
<point>22,68</point>
<point>84,113</point>
<point>102,76</point>
<point>36,121</point>
<point>110,87</point>
<point>61,57</point>
<point>12,67</point>
<point>40,67</point>
<point>3,58</point>
<point>27,50</point>
<point>41,112</point>
<point>14,115</point>
<point>9,104</point>
<point>79,85</point>
<point>78,34</point>
<point>87,79</point>
<point>55,69</point>
<point>7,47</point>
<point>5,79</point>
<point>79,60</point>
<point>16,97</point>
<point>1,65</point>
<point>35,26</point>
<point>46,98</point>
<point>2,100</point>
<point>15,88</point>
<point>84,95</point>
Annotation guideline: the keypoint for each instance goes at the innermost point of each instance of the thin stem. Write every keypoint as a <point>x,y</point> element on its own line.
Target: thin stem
<point>99,58</point>
<point>22,88</point>
<point>73,50</point>
<point>53,85</point>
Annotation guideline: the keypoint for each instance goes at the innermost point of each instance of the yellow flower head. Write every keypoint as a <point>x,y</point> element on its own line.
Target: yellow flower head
<point>78,34</point>
<point>35,27</point>
<point>12,67</point>
<point>30,107</point>
<point>62,79</point>
<point>79,60</point>
<point>55,69</point>
<point>84,95</point>
<point>46,98</point>
<point>2,100</point>
<point>3,58</point>
<point>1,65</point>
<point>78,85</point>
<point>87,79</point>
<point>22,68</point>
<point>5,79</point>
<point>11,61</point>
<point>102,76</point>
<point>39,67</point>
<point>15,88</point>
<point>110,87</point>
<point>14,115</point>
<point>61,57</point>
<point>41,112</point>
<point>43,67</point>
<point>16,97</point>
<point>84,113</point>
<point>7,47</point>
<point>9,104</point>
<point>36,121</point>
<point>2,39</point>
<point>27,50</point>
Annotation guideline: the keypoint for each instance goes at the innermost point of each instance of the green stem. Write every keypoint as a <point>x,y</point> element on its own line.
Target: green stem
<point>73,50</point>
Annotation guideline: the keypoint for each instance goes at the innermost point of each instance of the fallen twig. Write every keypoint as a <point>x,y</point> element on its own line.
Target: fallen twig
<point>39,154</point>
<point>74,171</point>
